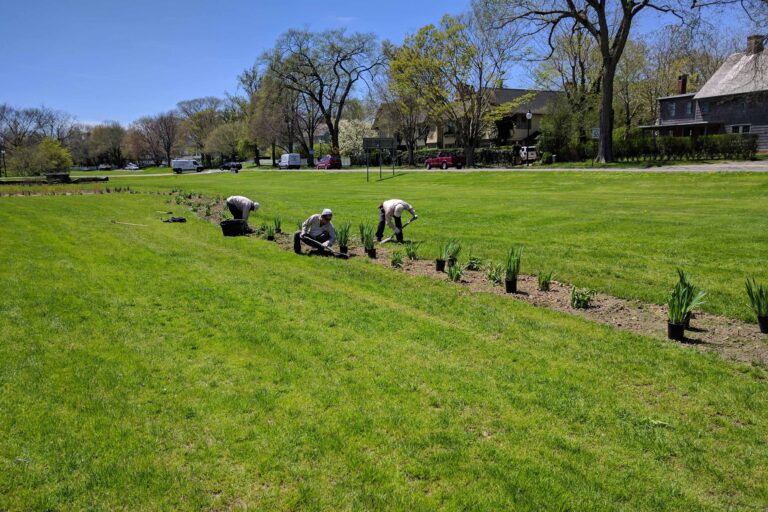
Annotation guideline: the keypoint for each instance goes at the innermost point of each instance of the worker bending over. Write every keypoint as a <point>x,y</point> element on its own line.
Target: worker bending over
<point>240,207</point>
<point>317,231</point>
<point>393,209</point>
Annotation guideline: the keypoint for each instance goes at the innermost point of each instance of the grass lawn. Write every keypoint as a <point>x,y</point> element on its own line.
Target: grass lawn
<point>166,367</point>
<point>623,234</point>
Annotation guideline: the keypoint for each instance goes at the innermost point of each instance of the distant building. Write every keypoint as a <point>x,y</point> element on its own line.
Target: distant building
<point>734,100</point>
<point>511,129</point>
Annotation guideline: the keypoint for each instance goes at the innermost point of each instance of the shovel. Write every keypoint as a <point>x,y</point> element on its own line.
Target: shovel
<point>328,249</point>
<point>389,238</point>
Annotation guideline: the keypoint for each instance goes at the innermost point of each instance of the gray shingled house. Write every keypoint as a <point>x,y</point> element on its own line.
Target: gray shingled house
<point>734,100</point>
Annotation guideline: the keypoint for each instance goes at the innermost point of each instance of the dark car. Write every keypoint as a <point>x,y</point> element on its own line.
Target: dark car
<point>329,162</point>
<point>444,161</point>
<point>231,166</point>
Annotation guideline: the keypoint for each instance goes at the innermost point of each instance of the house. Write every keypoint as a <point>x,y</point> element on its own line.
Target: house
<point>511,129</point>
<point>733,100</point>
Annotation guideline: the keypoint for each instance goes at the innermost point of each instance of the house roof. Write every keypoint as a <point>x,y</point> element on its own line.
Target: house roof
<point>741,73</point>
<point>537,105</point>
<point>687,95</point>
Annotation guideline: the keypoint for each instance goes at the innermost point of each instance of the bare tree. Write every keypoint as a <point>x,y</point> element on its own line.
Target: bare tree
<point>608,22</point>
<point>200,117</point>
<point>167,127</point>
<point>325,67</point>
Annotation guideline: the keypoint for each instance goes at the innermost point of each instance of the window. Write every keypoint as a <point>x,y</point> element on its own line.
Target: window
<point>689,108</point>
<point>671,109</point>
<point>740,128</point>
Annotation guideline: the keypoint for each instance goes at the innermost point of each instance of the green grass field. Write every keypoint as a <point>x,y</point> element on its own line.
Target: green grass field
<point>621,234</point>
<point>168,368</point>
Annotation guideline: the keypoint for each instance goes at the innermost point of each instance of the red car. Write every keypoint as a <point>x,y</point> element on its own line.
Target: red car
<point>329,162</point>
<point>444,161</point>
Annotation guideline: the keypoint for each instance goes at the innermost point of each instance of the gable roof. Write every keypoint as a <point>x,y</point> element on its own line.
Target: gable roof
<point>537,104</point>
<point>741,73</point>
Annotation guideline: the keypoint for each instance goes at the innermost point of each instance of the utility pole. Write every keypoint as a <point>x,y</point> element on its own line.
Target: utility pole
<point>528,116</point>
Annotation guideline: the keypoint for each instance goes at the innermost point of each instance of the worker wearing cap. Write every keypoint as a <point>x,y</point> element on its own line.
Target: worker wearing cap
<point>240,207</point>
<point>317,231</point>
<point>393,210</point>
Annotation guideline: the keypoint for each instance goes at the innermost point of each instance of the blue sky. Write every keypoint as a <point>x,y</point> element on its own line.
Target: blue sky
<point>118,60</point>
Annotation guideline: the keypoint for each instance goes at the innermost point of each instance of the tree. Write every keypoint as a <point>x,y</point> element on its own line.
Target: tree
<point>608,22</point>
<point>142,142</point>
<point>167,127</point>
<point>46,156</point>
<point>106,143</point>
<point>225,139</point>
<point>200,117</point>
<point>630,74</point>
<point>351,134</point>
<point>325,67</point>
<point>451,69</point>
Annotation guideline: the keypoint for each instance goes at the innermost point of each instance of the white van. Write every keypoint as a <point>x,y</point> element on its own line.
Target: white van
<point>185,165</point>
<point>528,153</point>
<point>290,161</point>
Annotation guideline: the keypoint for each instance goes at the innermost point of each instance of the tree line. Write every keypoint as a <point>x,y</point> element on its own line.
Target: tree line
<point>317,92</point>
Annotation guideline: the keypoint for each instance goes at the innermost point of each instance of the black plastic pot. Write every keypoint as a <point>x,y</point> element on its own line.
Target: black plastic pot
<point>343,249</point>
<point>762,321</point>
<point>510,286</point>
<point>675,331</point>
<point>271,238</point>
<point>440,265</point>
<point>278,230</point>
<point>371,253</point>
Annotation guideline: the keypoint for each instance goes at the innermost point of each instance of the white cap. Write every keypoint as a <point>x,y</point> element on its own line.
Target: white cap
<point>327,213</point>
<point>255,205</point>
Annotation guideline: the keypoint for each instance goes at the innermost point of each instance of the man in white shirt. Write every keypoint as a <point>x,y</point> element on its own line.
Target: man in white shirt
<point>317,231</point>
<point>240,207</point>
<point>393,210</point>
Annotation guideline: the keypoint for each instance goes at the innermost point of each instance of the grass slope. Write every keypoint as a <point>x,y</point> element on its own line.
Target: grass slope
<point>167,367</point>
<point>620,233</point>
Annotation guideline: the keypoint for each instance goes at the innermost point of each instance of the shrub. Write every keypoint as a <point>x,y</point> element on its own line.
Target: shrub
<point>758,298</point>
<point>581,297</point>
<point>544,279</point>
<point>473,262</point>
<point>512,263</point>
<point>269,231</point>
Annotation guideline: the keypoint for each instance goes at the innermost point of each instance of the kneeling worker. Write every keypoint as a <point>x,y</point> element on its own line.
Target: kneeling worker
<point>393,209</point>
<point>240,207</point>
<point>317,231</point>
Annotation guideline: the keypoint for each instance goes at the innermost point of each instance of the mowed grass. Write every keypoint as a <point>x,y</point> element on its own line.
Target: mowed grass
<point>623,234</point>
<point>169,368</point>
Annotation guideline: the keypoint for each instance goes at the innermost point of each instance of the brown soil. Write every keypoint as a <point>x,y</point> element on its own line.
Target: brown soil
<point>732,339</point>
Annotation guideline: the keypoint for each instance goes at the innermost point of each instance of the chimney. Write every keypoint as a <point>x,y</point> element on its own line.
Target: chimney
<point>755,44</point>
<point>682,84</point>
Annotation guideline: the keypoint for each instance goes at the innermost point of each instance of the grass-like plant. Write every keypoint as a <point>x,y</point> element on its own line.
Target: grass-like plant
<point>451,250</point>
<point>455,272</point>
<point>758,298</point>
<point>412,250</point>
<point>299,225</point>
<point>367,236</point>
<point>496,273</point>
<point>278,222</point>
<point>269,231</point>
<point>545,280</point>
<point>473,262</point>
<point>512,263</point>
<point>682,301</point>
<point>342,235</point>
<point>397,259</point>
<point>581,297</point>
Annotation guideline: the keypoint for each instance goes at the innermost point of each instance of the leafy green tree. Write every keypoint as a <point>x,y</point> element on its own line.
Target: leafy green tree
<point>45,157</point>
<point>106,143</point>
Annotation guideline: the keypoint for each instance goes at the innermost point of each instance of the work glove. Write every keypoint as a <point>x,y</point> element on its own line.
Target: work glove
<point>327,244</point>
<point>415,216</point>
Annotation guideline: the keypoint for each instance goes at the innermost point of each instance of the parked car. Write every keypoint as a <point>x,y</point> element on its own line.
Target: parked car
<point>444,161</point>
<point>131,167</point>
<point>183,164</point>
<point>105,167</point>
<point>528,153</point>
<point>329,162</point>
<point>290,161</point>
<point>231,166</point>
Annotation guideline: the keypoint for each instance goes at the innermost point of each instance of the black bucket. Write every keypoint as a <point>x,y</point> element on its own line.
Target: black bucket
<point>510,286</point>
<point>233,227</point>
<point>762,321</point>
<point>440,265</point>
<point>675,331</point>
